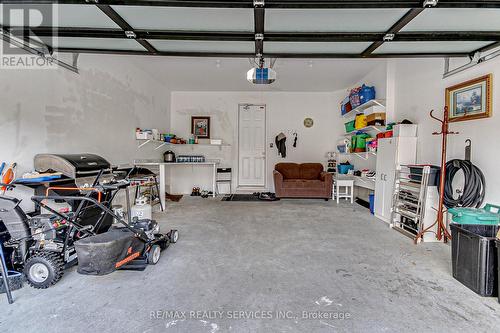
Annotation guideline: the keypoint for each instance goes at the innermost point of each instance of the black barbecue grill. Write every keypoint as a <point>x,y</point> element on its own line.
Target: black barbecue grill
<point>78,170</point>
<point>73,166</point>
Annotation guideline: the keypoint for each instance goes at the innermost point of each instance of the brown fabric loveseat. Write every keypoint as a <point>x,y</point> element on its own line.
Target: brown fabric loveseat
<point>306,180</point>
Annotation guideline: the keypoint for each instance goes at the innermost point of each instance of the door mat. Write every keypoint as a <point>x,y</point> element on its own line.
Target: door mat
<point>251,197</point>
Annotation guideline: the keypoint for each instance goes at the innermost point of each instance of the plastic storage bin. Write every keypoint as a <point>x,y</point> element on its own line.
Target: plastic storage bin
<point>344,168</point>
<point>371,197</point>
<point>345,106</point>
<point>366,94</point>
<point>342,148</point>
<point>474,257</point>
<point>489,215</point>
<point>417,170</point>
<point>349,126</point>
<point>360,121</point>
<point>498,268</point>
<point>354,97</point>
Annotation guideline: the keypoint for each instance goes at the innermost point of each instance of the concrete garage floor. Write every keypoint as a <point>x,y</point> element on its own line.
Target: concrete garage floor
<point>260,257</point>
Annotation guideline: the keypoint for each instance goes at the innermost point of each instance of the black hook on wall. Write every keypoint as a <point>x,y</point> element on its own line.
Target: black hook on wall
<point>468,148</point>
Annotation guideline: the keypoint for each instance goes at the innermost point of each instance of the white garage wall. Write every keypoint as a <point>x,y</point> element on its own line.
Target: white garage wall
<point>97,111</point>
<point>285,112</point>
<point>420,88</point>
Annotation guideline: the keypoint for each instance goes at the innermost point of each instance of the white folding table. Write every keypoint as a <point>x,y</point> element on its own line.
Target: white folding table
<point>162,173</point>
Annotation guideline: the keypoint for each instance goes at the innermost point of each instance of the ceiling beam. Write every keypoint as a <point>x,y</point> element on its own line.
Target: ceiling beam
<point>416,36</point>
<point>115,17</point>
<point>272,4</point>
<point>259,16</point>
<point>273,55</point>
<point>400,24</point>
<point>486,48</point>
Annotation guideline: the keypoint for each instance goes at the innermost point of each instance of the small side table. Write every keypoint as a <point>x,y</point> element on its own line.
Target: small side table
<point>347,185</point>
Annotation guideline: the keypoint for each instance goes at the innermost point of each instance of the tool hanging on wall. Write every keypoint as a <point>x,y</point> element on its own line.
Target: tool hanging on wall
<point>294,139</point>
<point>473,191</point>
<point>468,148</point>
<point>280,141</point>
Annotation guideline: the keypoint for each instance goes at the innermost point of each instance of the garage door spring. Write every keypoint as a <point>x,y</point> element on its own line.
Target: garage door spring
<point>472,194</point>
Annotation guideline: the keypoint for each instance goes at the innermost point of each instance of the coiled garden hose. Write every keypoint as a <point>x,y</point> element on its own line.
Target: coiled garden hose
<point>473,191</point>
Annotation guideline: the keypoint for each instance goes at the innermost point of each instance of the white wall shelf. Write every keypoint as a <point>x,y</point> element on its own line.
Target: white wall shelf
<point>364,182</point>
<point>163,143</point>
<point>363,155</point>
<point>363,107</point>
<point>367,129</point>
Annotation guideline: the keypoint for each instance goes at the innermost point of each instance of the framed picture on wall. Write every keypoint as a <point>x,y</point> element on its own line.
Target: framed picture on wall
<point>200,127</point>
<point>469,100</point>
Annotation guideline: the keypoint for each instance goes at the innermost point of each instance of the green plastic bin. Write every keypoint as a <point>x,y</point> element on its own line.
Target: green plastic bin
<point>349,126</point>
<point>489,215</point>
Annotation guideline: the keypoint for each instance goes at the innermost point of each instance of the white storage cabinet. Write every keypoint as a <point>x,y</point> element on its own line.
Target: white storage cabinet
<point>390,153</point>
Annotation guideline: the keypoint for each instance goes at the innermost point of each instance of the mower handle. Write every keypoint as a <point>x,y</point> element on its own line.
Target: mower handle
<point>39,198</point>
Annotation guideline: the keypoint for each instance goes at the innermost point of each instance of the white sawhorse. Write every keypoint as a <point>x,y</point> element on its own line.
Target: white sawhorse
<point>347,185</point>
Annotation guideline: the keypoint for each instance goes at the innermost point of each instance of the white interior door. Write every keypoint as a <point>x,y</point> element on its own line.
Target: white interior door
<point>252,145</point>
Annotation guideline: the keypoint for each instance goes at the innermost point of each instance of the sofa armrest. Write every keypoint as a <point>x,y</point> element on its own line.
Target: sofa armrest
<point>278,178</point>
<point>278,182</point>
<point>326,176</point>
<point>328,179</point>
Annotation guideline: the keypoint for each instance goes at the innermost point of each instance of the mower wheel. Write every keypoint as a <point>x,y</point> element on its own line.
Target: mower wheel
<point>154,254</point>
<point>173,235</point>
<point>43,269</point>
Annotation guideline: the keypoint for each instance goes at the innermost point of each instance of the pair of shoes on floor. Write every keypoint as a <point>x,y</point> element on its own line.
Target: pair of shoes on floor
<point>206,194</point>
<point>195,192</point>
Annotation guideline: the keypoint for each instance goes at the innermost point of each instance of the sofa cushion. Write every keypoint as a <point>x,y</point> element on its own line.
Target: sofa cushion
<point>293,183</point>
<point>288,170</point>
<point>303,184</point>
<point>310,171</point>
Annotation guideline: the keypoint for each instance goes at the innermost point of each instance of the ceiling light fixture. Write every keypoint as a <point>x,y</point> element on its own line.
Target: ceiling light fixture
<point>389,37</point>
<point>430,3</point>
<point>130,34</point>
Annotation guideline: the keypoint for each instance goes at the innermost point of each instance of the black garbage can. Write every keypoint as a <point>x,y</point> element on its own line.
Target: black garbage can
<point>474,257</point>
<point>498,268</point>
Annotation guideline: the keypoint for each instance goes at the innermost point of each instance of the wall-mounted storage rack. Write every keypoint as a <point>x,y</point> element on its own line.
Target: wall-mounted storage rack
<point>360,109</point>
<point>364,155</point>
<point>367,129</point>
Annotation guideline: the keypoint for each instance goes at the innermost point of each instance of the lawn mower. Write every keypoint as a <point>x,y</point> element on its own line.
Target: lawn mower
<point>43,246</point>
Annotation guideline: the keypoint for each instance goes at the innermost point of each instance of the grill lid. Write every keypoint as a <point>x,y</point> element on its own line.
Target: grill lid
<point>71,165</point>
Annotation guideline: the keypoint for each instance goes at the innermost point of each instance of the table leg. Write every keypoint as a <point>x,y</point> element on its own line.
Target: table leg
<point>162,186</point>
<point>214,178</point>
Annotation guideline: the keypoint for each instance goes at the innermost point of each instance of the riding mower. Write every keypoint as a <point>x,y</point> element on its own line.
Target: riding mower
<point>43,246</point>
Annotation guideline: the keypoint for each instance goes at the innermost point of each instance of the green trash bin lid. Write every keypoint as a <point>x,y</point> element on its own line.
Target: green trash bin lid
<point>489,215</point>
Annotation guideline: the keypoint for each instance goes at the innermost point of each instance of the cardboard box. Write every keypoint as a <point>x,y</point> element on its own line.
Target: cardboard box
<point>376,118</point>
